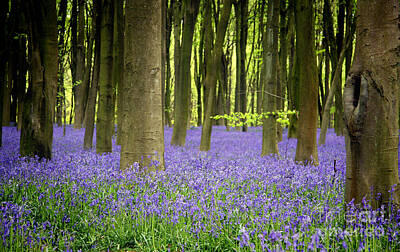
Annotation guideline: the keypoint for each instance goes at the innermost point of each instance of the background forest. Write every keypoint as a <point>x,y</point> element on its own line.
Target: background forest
<point>199,125</point>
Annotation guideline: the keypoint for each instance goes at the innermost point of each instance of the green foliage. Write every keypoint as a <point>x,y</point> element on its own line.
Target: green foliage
<point>239,119</point>
<point>332,110</point>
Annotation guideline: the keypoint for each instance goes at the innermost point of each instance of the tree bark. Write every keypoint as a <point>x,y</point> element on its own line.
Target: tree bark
<point>37,128</point>
<point>211,73</point>
<point>329,100</point>
<point>293,87</point>
<point>306,151</point>
<point>167,101</point>
<point>62,13</point>
<point>144,141</point>
<point>105,112</point>
<point>118,71</point>
<point>371,106</point>
<point>183,83</point>
<point>80,86</point>
<point>270,78</point>
<point>91,102</point>
<point>3,56</point>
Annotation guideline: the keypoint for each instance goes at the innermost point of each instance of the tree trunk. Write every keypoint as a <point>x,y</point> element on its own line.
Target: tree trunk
<point>62,13</point>
<point>260,39</point>
<point>183,83</point>
<point>91,101</point>
<point>242,16</point>
<point>306,151</point>
<point>211,73</point>
<point>293,86</point>
<point>118,71</point>
<point>371,106</point>
<point>339,123</point>
<point>21,79</point>
<point>37,127</point>
<point>335,85</point>
<point>80,87</point>
<point>105,112</point>
<point>3,56</point>
<point>167,101</point>
<point>269,78</point>
<point>283,30</point>
<point>144,141</point>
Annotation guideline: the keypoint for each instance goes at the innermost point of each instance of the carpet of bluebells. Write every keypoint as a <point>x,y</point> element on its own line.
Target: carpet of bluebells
<point>227,199</point>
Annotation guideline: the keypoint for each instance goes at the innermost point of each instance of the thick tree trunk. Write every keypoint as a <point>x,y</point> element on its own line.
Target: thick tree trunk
<point>371,106</point>
<point>183,83</point>
<point>105,112</point>
<point>306,151</point>
<point>211,73</point>
<point>144,141</point>
<point>37,127</point>
<point>269,78</point>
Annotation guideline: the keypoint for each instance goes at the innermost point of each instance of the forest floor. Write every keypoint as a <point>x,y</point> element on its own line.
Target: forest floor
<point>227,199</point>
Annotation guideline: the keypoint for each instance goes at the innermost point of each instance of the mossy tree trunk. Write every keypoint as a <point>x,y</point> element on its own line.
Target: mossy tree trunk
<point>37,127</point>
<point>306,151</point>
<point>105,111</point>
<point>144,141</point>
<point>371,106</point>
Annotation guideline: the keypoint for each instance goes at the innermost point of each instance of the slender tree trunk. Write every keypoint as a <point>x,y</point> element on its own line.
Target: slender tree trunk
<point>3,56</point>
<point>293,86</point>
<point>269,77</point>
<point>211,73</point>
<point>118,71</point>
<point>167,101</point>
<point>37,128</point>
<point>283,30</point>
<point>80,87</point>
<point>306,150</point>
<point>371,106</point>
<point>144,142</point>
<point>62,13</point>
<point>244,14</point>
<point>260,39</point>
<point>91,102</point>
<point>183,83</point>
<point>105,112</point>
<point>349,24</point>
<point>7,95</point>
<point>335,85</point>
<point>339,123</point>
